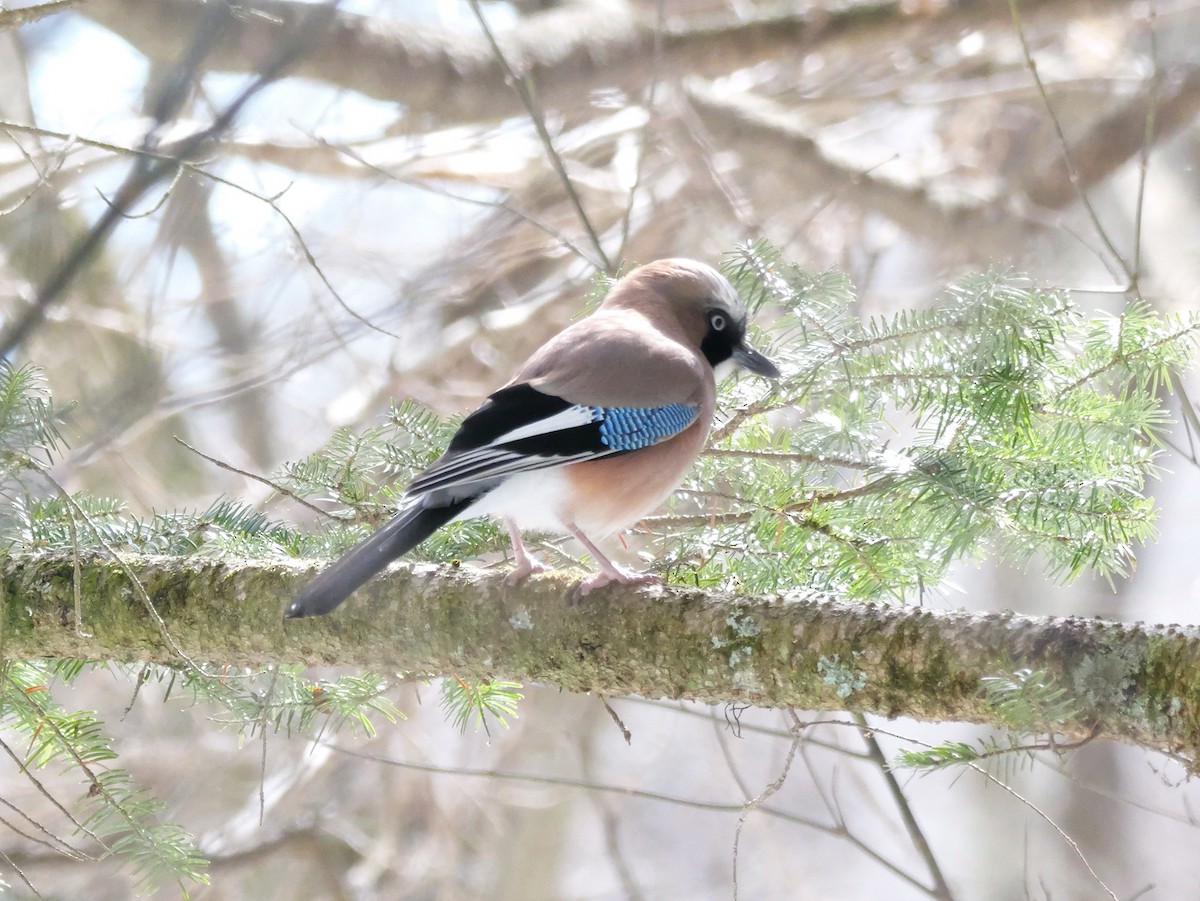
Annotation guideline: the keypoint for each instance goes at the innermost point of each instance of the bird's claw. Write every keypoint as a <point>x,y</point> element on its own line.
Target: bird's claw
<point>525,568</point>
<point>620,576</point>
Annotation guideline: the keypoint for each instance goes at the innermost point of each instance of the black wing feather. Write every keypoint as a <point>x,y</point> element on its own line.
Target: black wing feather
<point>409,527</point>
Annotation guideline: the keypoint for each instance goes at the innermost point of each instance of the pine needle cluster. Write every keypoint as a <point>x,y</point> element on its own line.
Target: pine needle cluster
<point>997,422</point>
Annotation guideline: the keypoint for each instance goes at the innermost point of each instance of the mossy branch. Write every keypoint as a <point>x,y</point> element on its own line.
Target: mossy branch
<point>1130,682</point>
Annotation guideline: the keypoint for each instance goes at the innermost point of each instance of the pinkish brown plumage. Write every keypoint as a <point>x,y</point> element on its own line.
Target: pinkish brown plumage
<point>592,433</point>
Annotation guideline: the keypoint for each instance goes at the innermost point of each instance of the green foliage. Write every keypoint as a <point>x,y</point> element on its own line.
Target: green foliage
<point>349,470</point>
<point>119,814</point>
<point>1030,700</point>
<point>951,753</point>
<point>280,699</point>
<point>465,701</point>
<point>996,422</point>
<point>27,419</point>
<point>116,813</point>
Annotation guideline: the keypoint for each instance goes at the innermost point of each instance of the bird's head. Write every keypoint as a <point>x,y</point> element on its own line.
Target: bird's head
<point>698,300</point>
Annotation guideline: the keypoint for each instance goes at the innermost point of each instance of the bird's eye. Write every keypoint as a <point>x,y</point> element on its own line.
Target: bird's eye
<point>717,322</point>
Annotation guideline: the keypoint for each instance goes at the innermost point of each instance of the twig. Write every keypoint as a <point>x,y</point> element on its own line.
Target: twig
<point>1065,147</point>
<point>1147,142</point>
<point>566,782</point>
<point>20,873</point>
<point>421,185</point>
<point>148,171</point>
<point>656,53</point>
<point>15,18</point>
<point>286,492</point>
<point>1003,786</point>
<point>524,88</point>
<point>625,733</point>
<point>43,176</point>
<point>44,792</point>
<point>262,725</point>
<point>941,889</point>
<point>1057,828</point>
<point>762,796</point>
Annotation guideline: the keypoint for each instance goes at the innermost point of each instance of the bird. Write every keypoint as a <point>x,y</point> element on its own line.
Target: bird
<point>590,435</point>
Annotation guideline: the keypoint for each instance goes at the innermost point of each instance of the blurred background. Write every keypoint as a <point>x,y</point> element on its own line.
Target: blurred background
<point>421,199</point>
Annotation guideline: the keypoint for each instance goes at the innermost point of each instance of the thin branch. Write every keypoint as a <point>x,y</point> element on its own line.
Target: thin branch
<point>1065,147</point>
<point>15,18</point>
<point>281,489</point>
<point>524,87</point>
<point>20,874</point>
<point>567,782</point>
<point>616,718</point>
<point>656,52</point>
<point>536,221</point>
<point>1147,144</point>
<point>1004,787</point>
<point>833,809</point>
<point>1046,817</point>
<point>760,799</point>
<point>45,793</point>
<point>147,172</point>
<point>941,889</point>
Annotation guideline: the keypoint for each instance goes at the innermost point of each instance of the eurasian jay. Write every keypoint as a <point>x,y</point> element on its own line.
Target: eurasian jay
<point>591,434</point>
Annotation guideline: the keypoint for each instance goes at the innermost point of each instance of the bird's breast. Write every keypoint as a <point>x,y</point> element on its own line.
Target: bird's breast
<point>613,493</point>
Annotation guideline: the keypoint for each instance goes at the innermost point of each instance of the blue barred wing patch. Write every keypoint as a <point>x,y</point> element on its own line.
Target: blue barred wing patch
<point>520,429</point>
<point>630,428</point>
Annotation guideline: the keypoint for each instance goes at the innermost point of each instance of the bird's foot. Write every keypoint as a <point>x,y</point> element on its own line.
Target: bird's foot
<point>525,567</point>
<point>618,575</point>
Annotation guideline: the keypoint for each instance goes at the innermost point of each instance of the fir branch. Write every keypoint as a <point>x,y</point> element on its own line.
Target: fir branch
<point>122,815</point>
<point>479,700</point>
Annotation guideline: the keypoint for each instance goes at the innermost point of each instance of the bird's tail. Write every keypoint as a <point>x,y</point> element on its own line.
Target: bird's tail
<point>411,525</point>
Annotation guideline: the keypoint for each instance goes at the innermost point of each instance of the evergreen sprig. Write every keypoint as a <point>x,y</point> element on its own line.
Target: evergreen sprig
<point>117,813</point>
<point>479,701</point>
<point>28,420</point>
<point>1030,702</point>
<point>999,421</point>
<point>282,699</point>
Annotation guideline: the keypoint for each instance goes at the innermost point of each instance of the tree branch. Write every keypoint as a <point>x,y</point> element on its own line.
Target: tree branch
<point>1131,682</point>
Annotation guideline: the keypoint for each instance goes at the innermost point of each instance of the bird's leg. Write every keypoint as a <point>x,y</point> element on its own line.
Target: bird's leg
<point>609,571</point>
<point>526,565</point>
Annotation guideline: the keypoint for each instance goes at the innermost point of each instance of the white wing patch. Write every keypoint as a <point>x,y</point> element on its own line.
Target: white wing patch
<point>570,418</point>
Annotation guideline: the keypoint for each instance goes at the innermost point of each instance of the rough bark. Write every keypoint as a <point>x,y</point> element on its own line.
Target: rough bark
<point>1132,682</point>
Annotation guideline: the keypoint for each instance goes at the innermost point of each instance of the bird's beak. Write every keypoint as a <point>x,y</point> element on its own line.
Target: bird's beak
<point>750,359</point>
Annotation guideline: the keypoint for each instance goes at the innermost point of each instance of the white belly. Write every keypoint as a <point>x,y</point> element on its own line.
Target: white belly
<point>533,500</point>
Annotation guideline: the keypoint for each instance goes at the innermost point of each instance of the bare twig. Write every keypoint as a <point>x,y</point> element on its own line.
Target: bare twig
<point>524,87</point>
<point>536,221</point>
<point>566,782</point>
<point>148,171</point>
<point>49,796</point>
<point>1065,148</point>
<point>941,889</point>
<point>757,802</point>
<point>15,18</point>
<point>616,718</point>
<point>281,489</point>
<point>20,874</point>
